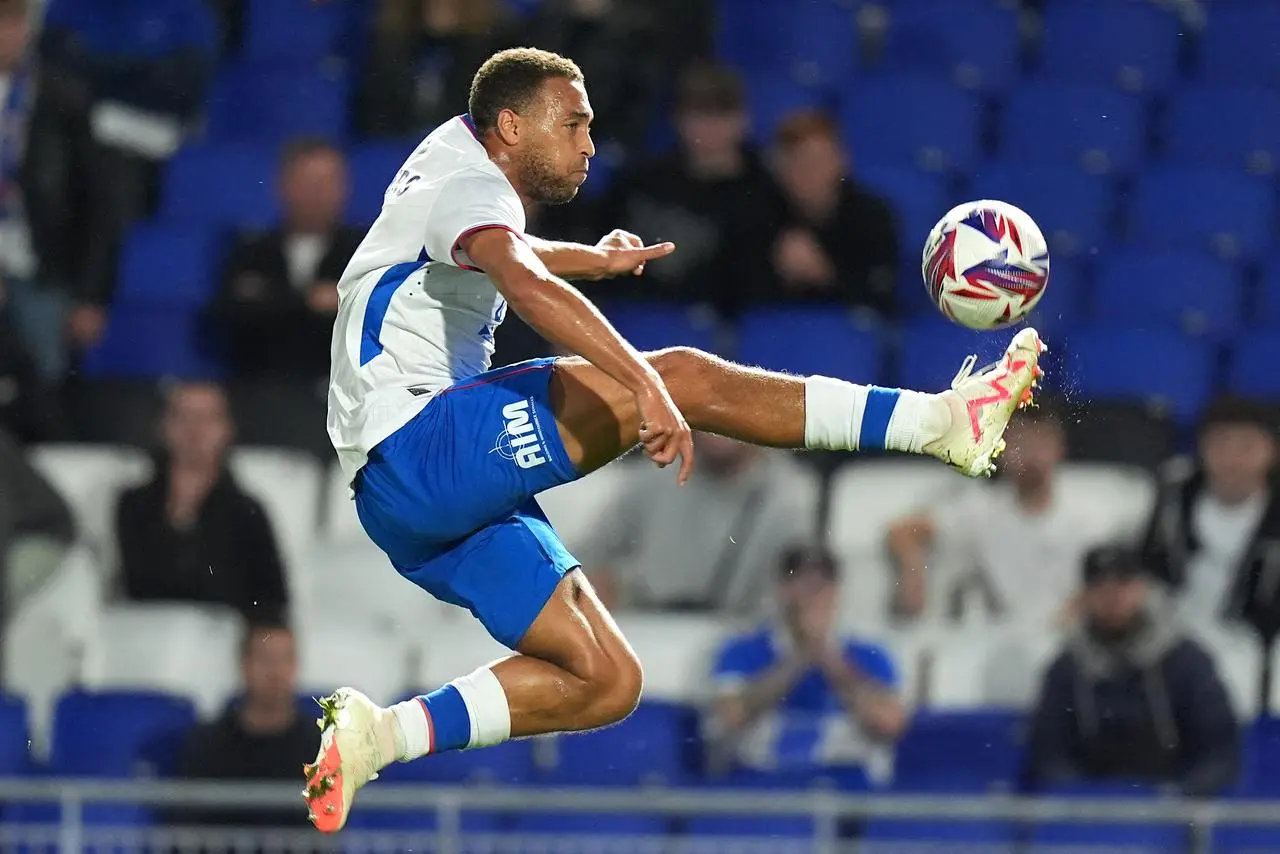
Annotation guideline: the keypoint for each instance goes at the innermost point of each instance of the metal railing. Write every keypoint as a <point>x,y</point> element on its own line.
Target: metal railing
<point>76,830</point>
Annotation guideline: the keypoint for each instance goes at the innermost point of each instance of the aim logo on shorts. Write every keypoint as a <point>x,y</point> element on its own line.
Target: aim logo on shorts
<point>520,440</point>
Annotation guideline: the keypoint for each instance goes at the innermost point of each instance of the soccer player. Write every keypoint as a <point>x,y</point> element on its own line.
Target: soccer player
<point>445,457</point>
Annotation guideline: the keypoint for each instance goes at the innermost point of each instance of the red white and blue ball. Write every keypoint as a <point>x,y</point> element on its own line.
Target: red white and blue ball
<point>986,264</point>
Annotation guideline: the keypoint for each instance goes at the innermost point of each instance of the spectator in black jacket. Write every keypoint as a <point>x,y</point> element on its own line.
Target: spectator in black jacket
<point>1214,532</point>
<point>1130,698</point>
<point>191,534</point>
<point>262,736</point>
<point>280,288</point>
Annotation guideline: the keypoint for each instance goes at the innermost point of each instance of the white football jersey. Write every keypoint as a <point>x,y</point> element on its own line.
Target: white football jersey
<point>414,316</point>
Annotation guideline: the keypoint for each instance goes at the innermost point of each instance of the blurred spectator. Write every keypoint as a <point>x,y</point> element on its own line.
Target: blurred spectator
<point>35,527</point>
<point>949,562</point>
<point>708,546</point>
<point>712,198</point>
<point>420,62</point>
<point>27,408</point>
<point>280,289</point>
<point>1216,524</point>
<point>838,241</point>
<point>793,697</point>
<point>120,84</point>
<point>262,736</point>
<point>1130,697</point>
<point>191,534</point>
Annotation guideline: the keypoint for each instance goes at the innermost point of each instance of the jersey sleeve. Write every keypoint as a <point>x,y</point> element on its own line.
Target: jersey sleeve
<point>471,201</point>
<point>875,662</point>
<point>737,662</point>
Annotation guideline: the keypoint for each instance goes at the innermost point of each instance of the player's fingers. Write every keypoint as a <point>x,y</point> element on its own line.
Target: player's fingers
<point>638,270</point>
<point>686,458</point>
<point>647,253</point>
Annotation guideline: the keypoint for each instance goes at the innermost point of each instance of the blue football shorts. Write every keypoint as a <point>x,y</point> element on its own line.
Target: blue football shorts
<point>450,497</point>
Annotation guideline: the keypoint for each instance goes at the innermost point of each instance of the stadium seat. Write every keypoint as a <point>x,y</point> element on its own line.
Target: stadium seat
<point>931,351</point>
<point>991,668</point>
<point>1243,839</point>
<point>14,755</point>
<point>771,100</point>
<point>939,133</point>
<point>148,341</point>
<point>363,589</point>
<point>1239,658</point>
<point>910,835</point>
<point>675,651</point>
<point>1129,433</point>
<point>972,41</point>
<point>1088,126</point>
<point>335,652</point>
<point>576,508</point>
<point>779,832</point>
<point>652,745</point>
<point>511,762</point>
<point>1229,213</point>
<point>918,199</point>
<point>1131,838</point>
<point>1261,753</point>
<point>1130,44</point>
<point>974,751</point>
<point>1124,494</point>
<point>90,478</point>
<point>198,659</point>
<point>806,341</point>
<point>1074,210</point>
<point>451,646</point>
<point>1232,127</point>
<point>1251,365</point>
<point>553,828</point>
<point>1266,312</point>
<point>655,326</point>
<point>1159,366</point>
<point>1062,303</point>
<point>811,43</point>
<point>221,185</point>
<point>271,104</point>
<point>163,265</point>
<point>118,734</point>
<point>1180,289</point>
<point>1238,44</point>
<point>373,167</point>
<point>297,32</point>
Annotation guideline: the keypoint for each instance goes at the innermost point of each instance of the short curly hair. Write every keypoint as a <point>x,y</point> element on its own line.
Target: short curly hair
<point>510,79</point>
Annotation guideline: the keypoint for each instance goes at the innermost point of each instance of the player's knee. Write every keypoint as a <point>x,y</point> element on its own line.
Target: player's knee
<point>683,366</point>
<point>614,687</point>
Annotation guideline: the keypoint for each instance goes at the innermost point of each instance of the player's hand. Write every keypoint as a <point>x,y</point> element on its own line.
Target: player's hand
<point>625,253</point>
<point>664,434</point>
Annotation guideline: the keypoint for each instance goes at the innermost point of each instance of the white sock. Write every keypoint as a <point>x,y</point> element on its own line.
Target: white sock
<point>487,704</point>
<point>413,730</point>
<point>483,705</point>
<point>836,413</point>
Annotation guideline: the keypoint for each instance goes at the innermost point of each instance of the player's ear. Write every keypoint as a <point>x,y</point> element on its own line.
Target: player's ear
<point>507,127</point>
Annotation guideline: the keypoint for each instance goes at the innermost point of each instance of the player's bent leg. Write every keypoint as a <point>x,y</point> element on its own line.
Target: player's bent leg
<point>963,427</point>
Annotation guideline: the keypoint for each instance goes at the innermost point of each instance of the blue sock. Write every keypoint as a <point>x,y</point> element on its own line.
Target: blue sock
<point>450,721</point>
<point>875,417</point>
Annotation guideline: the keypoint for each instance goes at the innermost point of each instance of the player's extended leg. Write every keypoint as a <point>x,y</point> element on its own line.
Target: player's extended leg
<point>963,427</point>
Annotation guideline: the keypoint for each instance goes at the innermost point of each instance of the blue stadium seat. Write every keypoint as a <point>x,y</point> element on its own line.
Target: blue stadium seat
<point>1252,370</point>
<point>14,754</point>
<point>425,819</point>
<point>594,824</point>
<point>655,326</point>
<point>164,265</point>
<point>1158,365</point>
<point>1235,839</point>
<point>918,199</point>
<point>807,341</point>
<point>975,42</point>
<point>1238,44</point>
<point>776,827</point>
<point>508,763</point>
<point>1130,838</point>
<point>1062,304</point>
<point>772,99</point>
<point>118,733</point>
<point>1074,210</point>
<point>959,751</point>
<point>297,31</point>
<point>912,120</point>
<point>373,167</point>
<point>932,349</point>
<point>652,744</point>
<point>1267,310</point>
<point>990,837</point>
<point>144,341</point>
<point>1262,737</point>
<point>1088,125</point>
<point>812,43</point>
<point>1235,127</point>
<point>273,105</point>
<point>1232,214</point>
<point>1182,289</point>
<point>221,185</point>
<point>1129,43</point>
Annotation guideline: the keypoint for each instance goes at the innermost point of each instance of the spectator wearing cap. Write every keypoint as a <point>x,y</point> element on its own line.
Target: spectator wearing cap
<point>838,243</point>
<point>1214,535</point>
<point>712,197</point>
<point>1131,698</point>
<point>794,698</point>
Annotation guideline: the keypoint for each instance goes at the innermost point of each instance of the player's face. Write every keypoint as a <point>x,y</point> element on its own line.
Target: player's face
<point>1237,459</point>
<point>270,667</point>
<point>555,143</point>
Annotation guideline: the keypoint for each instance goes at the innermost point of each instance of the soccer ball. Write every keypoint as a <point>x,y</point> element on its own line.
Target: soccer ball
<point>985,264</point>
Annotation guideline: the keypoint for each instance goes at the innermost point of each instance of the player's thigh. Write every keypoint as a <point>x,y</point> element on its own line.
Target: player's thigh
<point>597,417</point>
<point>577,633</point>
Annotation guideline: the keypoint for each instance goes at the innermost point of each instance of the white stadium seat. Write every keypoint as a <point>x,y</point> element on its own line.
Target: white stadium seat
<point>90,478</point>
<point>1123,495</point>
<point>988,667</point>
<point>187,650</point>
<point>866,498</point>
<point>1238,655</point>
<point>341,524</point>
<point>450,646</point>
<point>676,652</point>
<point>356,581</point>
<point>334,655</point>
<point>575,508</point>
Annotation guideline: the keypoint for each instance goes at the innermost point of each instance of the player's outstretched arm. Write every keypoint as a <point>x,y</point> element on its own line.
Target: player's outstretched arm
<point>562,315</point>
<point>619,253</point>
